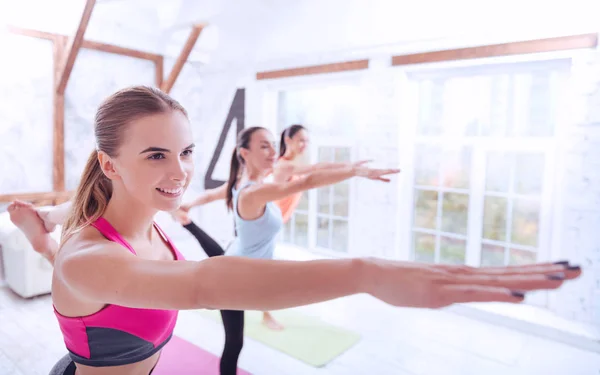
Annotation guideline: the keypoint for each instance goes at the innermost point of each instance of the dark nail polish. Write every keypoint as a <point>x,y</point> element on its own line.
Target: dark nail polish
<point>517,294</point>
<point>562,263</point>
<point>556,276</point>
<point>574,268</point>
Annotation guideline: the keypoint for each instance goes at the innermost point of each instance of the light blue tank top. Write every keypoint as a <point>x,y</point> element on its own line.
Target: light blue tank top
<point>255,238</point>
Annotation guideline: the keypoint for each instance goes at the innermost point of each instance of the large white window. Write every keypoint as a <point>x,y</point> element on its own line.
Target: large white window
<point>483,160</point>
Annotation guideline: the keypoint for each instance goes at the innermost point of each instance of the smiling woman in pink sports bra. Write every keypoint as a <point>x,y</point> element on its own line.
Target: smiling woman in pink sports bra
<point>118,281</point>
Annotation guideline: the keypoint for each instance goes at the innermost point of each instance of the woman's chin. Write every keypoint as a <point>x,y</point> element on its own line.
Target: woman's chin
<point>168,205</point>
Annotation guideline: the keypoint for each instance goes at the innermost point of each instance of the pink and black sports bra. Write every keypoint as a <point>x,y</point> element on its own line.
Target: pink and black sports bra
<point>118,335</point>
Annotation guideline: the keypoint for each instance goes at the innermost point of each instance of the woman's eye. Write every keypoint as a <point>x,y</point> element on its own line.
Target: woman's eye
<point>187,152</point>
<point>156,156</point>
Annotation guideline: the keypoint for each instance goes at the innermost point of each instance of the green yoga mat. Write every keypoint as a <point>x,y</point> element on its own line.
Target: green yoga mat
<point>305,338</point>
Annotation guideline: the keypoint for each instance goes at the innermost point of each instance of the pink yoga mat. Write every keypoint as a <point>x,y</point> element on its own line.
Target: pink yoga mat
<point>181,357</point>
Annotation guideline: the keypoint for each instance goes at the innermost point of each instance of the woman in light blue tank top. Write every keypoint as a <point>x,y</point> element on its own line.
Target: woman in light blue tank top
<point>255,237</point>
<point>258,219</point>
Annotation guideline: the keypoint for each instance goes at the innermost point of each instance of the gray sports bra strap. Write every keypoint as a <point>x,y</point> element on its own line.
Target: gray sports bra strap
<point>245,185</point>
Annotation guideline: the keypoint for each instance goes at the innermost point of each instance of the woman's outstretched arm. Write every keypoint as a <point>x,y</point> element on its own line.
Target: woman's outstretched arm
<point>285,169</point>
<point>206,197</point>
<point>106,273</point>
<point>56,215</point>
<point>256,196</point>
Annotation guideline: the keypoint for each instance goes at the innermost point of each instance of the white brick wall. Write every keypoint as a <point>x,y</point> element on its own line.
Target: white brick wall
<point>374,222</point>
<point>579,215</point>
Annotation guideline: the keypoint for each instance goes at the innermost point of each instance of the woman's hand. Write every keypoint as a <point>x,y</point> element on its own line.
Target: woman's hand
<point>372,173</point>
<point>434,286</point>
<point>359,163</point>
<point>181,216</point>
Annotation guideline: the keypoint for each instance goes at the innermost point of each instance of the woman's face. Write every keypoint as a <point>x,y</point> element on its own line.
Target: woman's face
<point>155,163</point>
<point>261,153</point>
<point>299,142</point>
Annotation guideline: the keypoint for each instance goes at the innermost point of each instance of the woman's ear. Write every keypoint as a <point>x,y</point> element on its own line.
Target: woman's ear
<point>243,152</point>
<point>108,166</point>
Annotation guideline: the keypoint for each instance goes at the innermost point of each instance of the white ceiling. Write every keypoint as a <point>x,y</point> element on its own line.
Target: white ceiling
<point>247,31</point>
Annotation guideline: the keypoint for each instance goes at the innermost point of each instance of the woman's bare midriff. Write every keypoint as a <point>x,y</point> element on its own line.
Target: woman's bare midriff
<point>139,368</point>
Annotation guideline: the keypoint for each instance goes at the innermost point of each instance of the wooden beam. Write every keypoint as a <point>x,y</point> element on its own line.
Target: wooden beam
<point>159,71</point>
<point>314,69</point>
<point>88,44</point>
<point>53,198</point>
<point>183,56</point>
<point>59,58</point>
<point>495,50</point>
<point>58,142</point>
<point>109,48</point>
<point>75,46</point>
<point>31,33</point>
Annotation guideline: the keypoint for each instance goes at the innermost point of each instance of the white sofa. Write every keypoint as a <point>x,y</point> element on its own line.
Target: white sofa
<point>26,272</point>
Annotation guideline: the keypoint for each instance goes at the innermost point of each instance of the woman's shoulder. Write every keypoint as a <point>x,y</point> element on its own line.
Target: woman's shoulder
<point>283,163</point>
<point>85,241</point>
<point>284,169</point>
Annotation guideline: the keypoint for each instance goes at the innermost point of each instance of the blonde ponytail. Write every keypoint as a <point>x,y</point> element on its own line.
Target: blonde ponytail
<point>91,198</point>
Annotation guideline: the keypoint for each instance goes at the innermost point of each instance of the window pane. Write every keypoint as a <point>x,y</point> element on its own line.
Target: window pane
<point>431,107</point>
<point>521,102</point>
<point>424,247</point>
<point>323,232</point>
<point>325,154</point>
<point>529,173</point>
<point>426,202</point>
<point>303,204</point>
<point>342,154</point>
<point>341,198</point>
<point>497,172</point>
<point>339,237</point>
<point>330,110</point>
<point>427,165</point>
<point>500,111</point>
<point>455,211</point>
<point>466,105</point>
<point>452,250</point>
<point>541,116</point>
<point>494,218</point>
<point>492,255</point>
<point>518,257</point>
<point>457,167</point>
<point>525,222</point>
<point>281,111</point>
<point>301,229</point>
<point>323,200</point>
